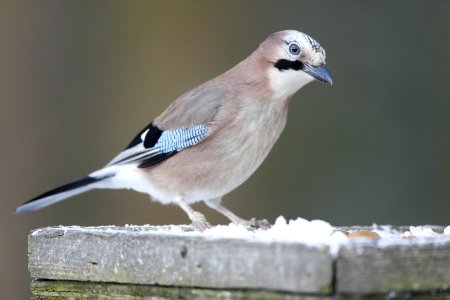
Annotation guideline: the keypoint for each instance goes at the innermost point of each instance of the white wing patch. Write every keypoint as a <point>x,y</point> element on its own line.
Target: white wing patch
<point>144,134</point>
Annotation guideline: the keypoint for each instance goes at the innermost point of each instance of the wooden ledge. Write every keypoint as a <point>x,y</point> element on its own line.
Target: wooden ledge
<point>157,257</point>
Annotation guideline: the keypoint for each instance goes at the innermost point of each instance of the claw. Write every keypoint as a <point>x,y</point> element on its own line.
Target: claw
<point>259,224</point>
<point>199,222</point>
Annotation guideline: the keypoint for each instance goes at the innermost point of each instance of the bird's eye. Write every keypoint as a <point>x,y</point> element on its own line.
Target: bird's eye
<point>294,49</point>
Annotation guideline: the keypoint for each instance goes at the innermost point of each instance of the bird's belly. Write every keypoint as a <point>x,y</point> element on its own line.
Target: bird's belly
<point>239,162</point>
<point>217,166</point>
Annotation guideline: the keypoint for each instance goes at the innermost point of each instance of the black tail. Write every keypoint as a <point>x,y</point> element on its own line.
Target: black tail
<point>60,193</point>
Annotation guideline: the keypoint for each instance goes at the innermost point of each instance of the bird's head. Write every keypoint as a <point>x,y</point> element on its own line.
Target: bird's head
<point>295,59</point>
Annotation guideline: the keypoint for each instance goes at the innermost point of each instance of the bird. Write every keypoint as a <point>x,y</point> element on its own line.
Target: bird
<point>211,139</point>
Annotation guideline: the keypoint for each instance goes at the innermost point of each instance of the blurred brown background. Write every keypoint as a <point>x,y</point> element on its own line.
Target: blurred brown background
<point>78,79</point>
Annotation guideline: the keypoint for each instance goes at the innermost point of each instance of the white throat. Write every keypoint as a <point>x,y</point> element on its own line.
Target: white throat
<point>286,83</point>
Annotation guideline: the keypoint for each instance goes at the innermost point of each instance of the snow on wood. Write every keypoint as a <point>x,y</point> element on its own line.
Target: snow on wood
<point>298,256</point>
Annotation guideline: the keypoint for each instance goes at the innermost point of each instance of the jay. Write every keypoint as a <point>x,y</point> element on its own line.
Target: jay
<point>212,138</point>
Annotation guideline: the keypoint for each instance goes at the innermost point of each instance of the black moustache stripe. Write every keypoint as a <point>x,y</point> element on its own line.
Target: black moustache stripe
<point>284,64</point>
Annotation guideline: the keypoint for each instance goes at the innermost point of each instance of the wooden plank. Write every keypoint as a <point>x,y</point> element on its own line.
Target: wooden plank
<point>54,289</point>
<point>101,257</point>
<point>403,265</point>
<point>145,256</point>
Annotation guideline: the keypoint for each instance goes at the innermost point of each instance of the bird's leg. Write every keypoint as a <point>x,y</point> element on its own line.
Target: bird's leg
<point>198,219</point>
<point>253,222</point>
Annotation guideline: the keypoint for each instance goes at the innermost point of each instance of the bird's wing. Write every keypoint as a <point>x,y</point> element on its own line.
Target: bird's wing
<point>183,124</point>
<point>154,145</point>
<point>198,106</point>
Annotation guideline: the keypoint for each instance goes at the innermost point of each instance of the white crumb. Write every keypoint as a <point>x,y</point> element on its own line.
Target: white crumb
<point>447,230</point>
<point>422,232</point>
<point>385,231</point>
<point>407,234</point>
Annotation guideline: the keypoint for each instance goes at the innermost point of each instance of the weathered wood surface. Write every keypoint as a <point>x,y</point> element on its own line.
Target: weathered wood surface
<point>409,266</point>
<point>145,257</point>
<point>197,266</point>
<point>54,289</point>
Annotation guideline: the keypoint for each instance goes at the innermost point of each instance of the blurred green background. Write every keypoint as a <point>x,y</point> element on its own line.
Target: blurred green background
<point>79,78</point>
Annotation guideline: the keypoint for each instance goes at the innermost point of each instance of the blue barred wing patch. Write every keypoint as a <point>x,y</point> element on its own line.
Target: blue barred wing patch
<point>179,139</point>
<point>153,145</point>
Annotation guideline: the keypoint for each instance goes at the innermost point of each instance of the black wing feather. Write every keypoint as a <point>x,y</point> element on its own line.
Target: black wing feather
<point>151,138</point>
<point>156,159</point>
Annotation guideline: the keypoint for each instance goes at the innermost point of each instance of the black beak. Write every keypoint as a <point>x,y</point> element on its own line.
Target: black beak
<point>320,73</point>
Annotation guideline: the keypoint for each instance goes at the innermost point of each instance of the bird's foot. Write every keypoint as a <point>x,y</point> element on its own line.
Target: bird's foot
<point>254,223</point>
<point>259,224</point>
<point>199,221</point>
